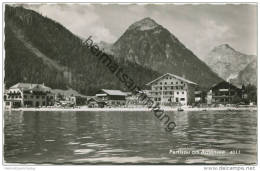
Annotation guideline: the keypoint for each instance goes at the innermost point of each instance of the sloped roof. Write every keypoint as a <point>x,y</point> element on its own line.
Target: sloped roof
<point>29,86</point>
<point>23,86</point>
<point>114,92</point>
<point>176,76</point>
<point>39,87</point>
<point>224,83</point>
<point>93,98</point>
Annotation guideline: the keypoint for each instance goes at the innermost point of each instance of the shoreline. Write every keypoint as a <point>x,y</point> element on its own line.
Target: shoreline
<point>135,109</point>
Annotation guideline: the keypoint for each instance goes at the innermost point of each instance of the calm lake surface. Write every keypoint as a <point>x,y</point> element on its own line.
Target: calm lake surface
<point>130,137</point>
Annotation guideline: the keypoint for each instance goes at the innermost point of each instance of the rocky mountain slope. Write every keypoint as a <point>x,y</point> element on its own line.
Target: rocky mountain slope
<point>149,44</point>
<point>247,76</point>
<point>227,62</point>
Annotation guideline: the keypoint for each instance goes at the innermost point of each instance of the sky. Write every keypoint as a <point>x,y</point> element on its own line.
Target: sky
<point>199,27</point>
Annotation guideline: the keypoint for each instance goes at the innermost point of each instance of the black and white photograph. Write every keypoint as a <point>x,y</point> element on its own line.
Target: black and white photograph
<point>130,84</point>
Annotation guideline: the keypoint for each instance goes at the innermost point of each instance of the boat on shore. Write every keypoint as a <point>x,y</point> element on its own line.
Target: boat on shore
<point>180,109</point>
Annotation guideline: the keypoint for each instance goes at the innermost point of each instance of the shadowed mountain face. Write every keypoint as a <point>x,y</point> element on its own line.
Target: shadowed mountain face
<point>227,62</point>
<point>149,44</point>
<point>40,50</point>
<point>248,75</point>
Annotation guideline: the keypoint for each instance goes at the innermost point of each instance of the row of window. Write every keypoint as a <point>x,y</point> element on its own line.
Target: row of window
<point>224,93</point>
<point>14,92</point>
<point>117,103</point>
<point>169,78</point>
<point>161,83</point>
<point>11,97</point>
<point>170,93</point>
<point>170,88</point>
<point>25,97</point>
<point>37,97</point>
<point>176,99</point>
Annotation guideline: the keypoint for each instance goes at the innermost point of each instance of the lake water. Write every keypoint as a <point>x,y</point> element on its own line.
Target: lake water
<point>209,137</point>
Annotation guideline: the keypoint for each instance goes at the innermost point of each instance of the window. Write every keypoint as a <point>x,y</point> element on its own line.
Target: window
<point>43,97</point>
<point>165,83</point>
<point>177,92</point>
<point>160,88</point>
<point>25,96</point>
<point>183,92</point>
<point>37,97</point>
<point>171,82</point>
<point>159,99</point>
<point>31,96</point>
<point>182,99</point>
<point>176,82</point>
<point>160,83</point>
<point>181,82</point>
<point>172,87</point>
<point>177,99</point>
<point>177,87</point>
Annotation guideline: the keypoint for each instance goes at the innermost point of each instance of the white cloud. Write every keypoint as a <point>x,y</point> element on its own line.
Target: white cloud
<point>209,35</point>
<point>199,27</point>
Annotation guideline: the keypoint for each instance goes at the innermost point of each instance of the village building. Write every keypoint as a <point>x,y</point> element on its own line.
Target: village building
<point>170,89</point>
<point>112,97</point>
<point>69,97</point>
<point>198,96</point>
<point>224,93</point>
<point>96,102</point>
<point>28,95</point>
<point>134,100</point>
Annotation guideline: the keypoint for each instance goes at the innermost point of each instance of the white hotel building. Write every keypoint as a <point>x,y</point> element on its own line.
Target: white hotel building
<point>28,95</point>
<point>170,89</point>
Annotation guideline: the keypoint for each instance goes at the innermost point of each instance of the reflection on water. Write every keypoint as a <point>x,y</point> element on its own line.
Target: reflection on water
<point>129,137</point>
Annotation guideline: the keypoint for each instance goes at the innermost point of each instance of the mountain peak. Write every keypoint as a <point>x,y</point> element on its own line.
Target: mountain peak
<point>144,24</point>
<point>226,61</point>
<point>224,46</point>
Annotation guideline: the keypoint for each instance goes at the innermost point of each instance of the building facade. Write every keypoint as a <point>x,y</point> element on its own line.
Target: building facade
<point>28,95</point>
<point>96,102</point>
<point>170,89</point>
<point>224,93</point>
<point>112,97</point>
